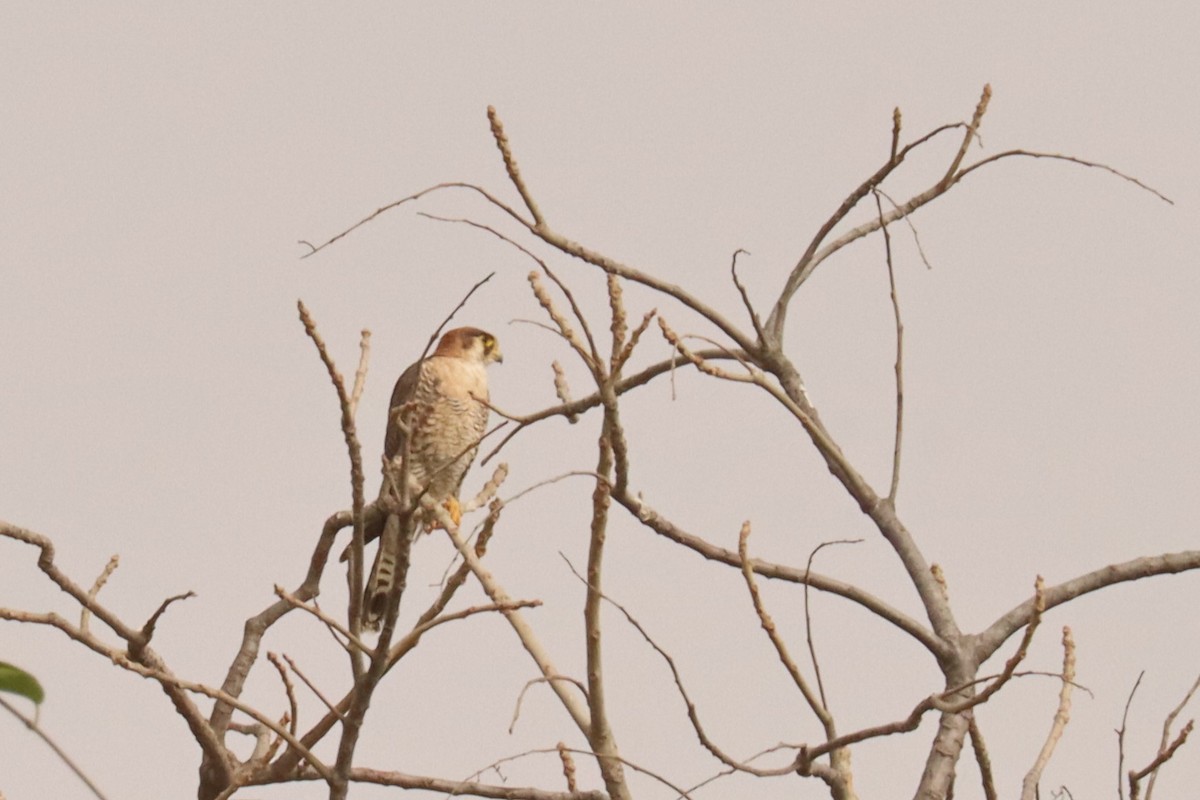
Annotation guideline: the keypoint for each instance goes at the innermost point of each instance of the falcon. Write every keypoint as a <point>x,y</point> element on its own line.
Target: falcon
<point>438,413</point>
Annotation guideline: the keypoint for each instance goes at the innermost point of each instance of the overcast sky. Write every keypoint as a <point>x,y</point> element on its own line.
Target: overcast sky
<point>159,163</point>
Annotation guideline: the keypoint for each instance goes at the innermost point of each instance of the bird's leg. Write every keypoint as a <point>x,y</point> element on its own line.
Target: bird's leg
<point>453,509</point>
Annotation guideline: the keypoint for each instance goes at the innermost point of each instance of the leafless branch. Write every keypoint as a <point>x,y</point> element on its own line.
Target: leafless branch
<point>85,616</point>
<point>559,750</point>
<point>664,527</point>
<point>311,686</point>
<point>289,761</point>
<point>971,133</point>
<point>576,407</point>
<point>537,259</point>
<point>812,649</point>
<point>634,338</point>
<point>1010,666</point>
<point>289,689</point>
<point>588,354</point>
<point>1166,732</point>
<point>438,331</point>
<point>1069,159</point>
<point>1164,755</point>
<point>899,369</point>
<point>692,712</point>
<point>768,625</point>
<point>455,788</point>
<point>329,622</point>
<point>983,760</point>
<point>568,765</point>
<point>562,390</point>
<point>1121,737</point>
<point>144,659</point>
<point>354,448</point>
<point>995,635</point>
<point>618,326</point>
<point>516,715</point>
<point>33,726</point>
<point>528,638</point>
<point>912,228</point>
<point>755,320</point>
<point>314,249</point>
<point>510,164</point>
<point>1029,786</point>
<point>360,375</point>
<point>896,119</point>
<point>148,665</point>
<point>489,489</point>
<point>148,628</point>
<point>814,254</point>
<point>600,735</point>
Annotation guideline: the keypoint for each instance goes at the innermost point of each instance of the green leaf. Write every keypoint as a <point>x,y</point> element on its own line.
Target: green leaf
<point>18,681</point>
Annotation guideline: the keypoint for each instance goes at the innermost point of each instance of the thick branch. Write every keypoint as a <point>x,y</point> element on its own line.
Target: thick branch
<point>995,635</point>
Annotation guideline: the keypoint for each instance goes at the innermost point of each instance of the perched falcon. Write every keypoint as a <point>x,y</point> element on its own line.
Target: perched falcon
<point>439,401</point>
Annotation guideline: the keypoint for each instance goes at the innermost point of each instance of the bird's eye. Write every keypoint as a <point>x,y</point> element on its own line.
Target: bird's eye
<point>488,342</point>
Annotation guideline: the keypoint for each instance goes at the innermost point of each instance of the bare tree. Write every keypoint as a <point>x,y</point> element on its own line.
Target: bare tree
<point>749,352</point>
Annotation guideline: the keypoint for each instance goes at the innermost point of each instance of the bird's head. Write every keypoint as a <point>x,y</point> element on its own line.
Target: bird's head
<point>471,344</point>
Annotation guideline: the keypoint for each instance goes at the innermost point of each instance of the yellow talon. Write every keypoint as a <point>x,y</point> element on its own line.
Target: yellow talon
<point>453,509</point>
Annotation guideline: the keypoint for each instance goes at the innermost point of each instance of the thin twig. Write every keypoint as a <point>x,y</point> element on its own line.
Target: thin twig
<point>971,133</point>
<point>812,649</point>
<point>754,318</point>
<point>1121,737</point>
<point>911,226</point>
<point>314,249</point>
<point>32,725</point>
<point>438,332</point>
<point>329,622</point>
<point>360,375</point>
<point>1135,777</point>
<point>85,615</point>
<point>558,750</point>
<point>650,517</point>
<point>516,715</point>
<point>311,686</point>
<point>510,164</point>
<point>1166,732</point>
<point>895,131</point>
<point>529,640</point>
<point>899,368</point>
<point>768,625</point>
<point>568,764</point>
<point>692,712</point>
<point>1071,159</point>
<point>294,715</point>
<point>148,628</point>
<point>1030,784</point>
<point>537,259</point>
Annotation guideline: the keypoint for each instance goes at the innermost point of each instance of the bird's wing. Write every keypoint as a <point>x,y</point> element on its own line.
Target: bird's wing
<point>404,392</point>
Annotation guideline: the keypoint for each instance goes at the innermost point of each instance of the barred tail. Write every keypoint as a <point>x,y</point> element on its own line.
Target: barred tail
<point>383,575</point>
<point>390,568</point>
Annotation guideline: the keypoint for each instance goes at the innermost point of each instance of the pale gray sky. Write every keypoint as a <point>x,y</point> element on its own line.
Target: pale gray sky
<point>159,163</point>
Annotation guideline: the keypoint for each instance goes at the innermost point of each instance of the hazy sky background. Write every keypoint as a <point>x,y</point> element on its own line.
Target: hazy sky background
<point>159,163</point>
